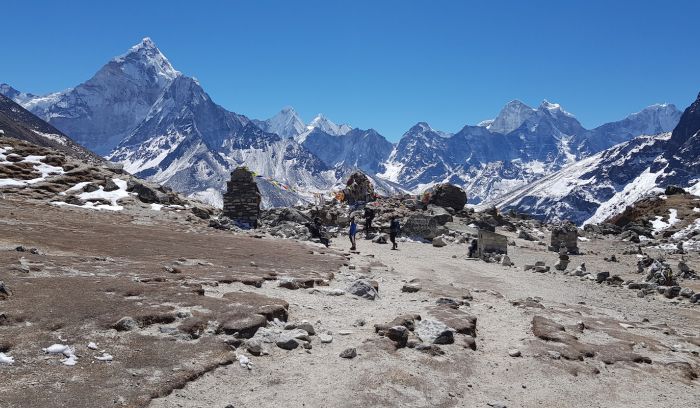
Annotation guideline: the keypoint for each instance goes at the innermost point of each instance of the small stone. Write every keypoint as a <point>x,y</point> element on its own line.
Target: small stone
<point>554,354</point>
<point>308,327</point>
<point>497,404</point>
<point>349,353</point>
<point>254,346</point>
<point>602,276</point>
<point>287,342</point>
<point>325,338</point>
<point>410,288</point>
<point>439,242</point>
<point>514,353</point>
<point>126,323</point>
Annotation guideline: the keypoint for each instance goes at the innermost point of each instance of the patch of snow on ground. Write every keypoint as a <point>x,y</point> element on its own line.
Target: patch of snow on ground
<point>694,189</point>
<point>76,187</point>
<point>44,169</point>
<point>105,357</point>
<point>52,136</point>
<point>5,359</point>
<point>583,239</point>
<point>643,185</point>
<point>111,196</point>
<point>659,225</point>
<point>156,206</point>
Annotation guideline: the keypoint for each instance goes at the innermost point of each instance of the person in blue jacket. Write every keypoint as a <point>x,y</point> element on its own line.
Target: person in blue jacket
<point>352,232</point>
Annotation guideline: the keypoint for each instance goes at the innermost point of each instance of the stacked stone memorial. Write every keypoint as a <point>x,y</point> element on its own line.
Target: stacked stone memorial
<point>242,198</point>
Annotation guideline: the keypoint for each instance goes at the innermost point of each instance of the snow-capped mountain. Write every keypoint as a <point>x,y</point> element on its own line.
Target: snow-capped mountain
<point>360,149</point>
<point>191,144</point>
<point>286,123</point>
<point>104,110</point>
<point>323,123</point>
<point>518,147</point>
<point>603,185</point>
<point>140,111</point>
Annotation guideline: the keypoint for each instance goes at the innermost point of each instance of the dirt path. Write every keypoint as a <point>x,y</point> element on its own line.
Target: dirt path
<point>657,329</point>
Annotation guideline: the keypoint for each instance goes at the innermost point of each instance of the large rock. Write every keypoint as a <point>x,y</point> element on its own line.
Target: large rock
<point>358,188</point>
<point>442,216</point>
<point>433,331</point>
<point>422,226</point>
<point>148,192</point>
<point>449,196</point>
<point>363,288</point>
<point>244,325</point>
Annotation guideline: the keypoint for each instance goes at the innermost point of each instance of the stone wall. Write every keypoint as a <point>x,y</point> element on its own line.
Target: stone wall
<point>490,242</point>
<point>242,198</point>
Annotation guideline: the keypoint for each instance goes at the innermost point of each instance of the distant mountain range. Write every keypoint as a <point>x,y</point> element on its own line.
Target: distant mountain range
<point>138,110</point>
<point>603,185</point>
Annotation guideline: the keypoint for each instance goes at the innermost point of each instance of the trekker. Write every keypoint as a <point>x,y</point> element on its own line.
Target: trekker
<point>394,230</point>
<point>369,217</point>
<point>473,248</point>
<point>318,231</point>
<point>352,232</point>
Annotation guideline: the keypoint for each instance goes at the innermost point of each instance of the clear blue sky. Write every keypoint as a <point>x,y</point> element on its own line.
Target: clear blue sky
<point>379,64</point>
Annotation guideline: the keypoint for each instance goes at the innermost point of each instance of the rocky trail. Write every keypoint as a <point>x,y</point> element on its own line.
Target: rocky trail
<point>630,350</point>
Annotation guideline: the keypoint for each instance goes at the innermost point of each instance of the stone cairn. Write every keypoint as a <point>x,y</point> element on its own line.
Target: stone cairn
<point>242,198</point>
<point>563,258</point>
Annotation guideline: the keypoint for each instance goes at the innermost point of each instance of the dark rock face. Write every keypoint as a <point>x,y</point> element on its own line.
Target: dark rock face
<point>449,196</point>
<point>242,198</point>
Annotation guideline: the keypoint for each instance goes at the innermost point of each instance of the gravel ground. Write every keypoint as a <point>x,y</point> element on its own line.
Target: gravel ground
<point>664,331</point>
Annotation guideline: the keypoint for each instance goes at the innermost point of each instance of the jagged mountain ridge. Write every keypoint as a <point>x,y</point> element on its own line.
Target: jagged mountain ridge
<point>519,146</point>
<point>603,185</point>
<point>176,135</point>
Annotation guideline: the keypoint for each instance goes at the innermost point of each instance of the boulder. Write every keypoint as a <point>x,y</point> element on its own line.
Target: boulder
<point>110,185</point>
<point>421,225</point>
<point>442,216</point>
<point>449,196</point>
<point>243,325</point>
<point>363,288</point>
<point>200,212</point>
<point>435,332</point>
<point>673,190</point>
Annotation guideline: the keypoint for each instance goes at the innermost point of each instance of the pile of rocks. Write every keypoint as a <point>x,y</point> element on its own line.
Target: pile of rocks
<point>563,262</point>
<point>358,189</point>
